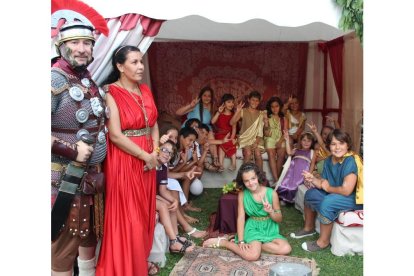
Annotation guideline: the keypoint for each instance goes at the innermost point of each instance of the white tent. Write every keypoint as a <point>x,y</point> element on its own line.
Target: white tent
<point>265,21</point>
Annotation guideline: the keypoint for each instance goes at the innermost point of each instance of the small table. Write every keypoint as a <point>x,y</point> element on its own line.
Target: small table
<point>226,216</point>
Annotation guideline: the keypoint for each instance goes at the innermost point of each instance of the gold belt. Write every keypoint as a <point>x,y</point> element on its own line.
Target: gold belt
<point>58,167</point>
<point>136,132</point>
<point>260,218</point>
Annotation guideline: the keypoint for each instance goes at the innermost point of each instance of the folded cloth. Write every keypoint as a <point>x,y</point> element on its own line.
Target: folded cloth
<point>174,185</point>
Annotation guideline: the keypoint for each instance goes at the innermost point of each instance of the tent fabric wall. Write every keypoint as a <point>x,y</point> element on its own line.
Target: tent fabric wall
<point>130,29</point>
<point>314,105</point>
<point>352,105</point>
<point>180,69</point>
<point>352,97</point>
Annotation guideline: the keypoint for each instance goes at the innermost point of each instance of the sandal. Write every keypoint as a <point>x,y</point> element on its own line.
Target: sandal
<point>211,244</point>
<point>312,246</point>
<point>184,240</point>
<point>210,167</point>
<point>216,162</point>
<point>194,233</point>
<point>231,168</point>
<point>153,268</point>
<point>220,169</point>
<point>184,246</point>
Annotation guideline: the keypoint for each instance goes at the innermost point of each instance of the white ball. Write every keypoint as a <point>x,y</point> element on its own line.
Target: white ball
<point>196,187</point>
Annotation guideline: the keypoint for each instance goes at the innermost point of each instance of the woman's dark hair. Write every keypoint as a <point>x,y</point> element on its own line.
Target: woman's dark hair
<point>341,136</point>
<point>119,56</point>
<point>226,97</point>
<point>200,103</point>
<point>247,167</point>
<point>269,107</point>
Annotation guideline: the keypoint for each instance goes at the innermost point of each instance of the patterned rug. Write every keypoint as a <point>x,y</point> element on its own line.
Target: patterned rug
<point>209,261</point>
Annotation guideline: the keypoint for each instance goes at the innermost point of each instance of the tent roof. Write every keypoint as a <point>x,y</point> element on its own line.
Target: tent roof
<point>198,28</point>
<point>234,20</point>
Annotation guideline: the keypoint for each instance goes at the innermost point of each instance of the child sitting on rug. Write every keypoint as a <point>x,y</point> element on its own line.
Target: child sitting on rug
<point>301,159</point>
<point>261,230</point>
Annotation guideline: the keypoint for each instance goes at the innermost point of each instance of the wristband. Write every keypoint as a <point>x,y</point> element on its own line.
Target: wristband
<point>277,211</point>
<point>63,149</point>
<point>242,242</point>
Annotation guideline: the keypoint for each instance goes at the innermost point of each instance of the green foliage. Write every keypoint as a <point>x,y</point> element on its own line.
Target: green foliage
<point>352,16</point>
<point>328,263</point>
<point>229,187</point>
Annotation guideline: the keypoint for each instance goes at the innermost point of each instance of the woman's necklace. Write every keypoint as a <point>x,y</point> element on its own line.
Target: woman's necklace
<point>142,106</point>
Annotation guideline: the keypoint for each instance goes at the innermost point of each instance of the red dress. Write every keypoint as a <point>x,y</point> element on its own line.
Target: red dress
<point>130,194</point>
<point>223,128</point>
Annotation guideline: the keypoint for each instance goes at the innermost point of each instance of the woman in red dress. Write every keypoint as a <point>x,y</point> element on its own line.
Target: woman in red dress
<point>130,169</point>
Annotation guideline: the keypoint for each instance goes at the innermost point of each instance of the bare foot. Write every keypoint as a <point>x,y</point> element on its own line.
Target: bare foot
<point>190,207</point>
<point>211,243</point>
<point>191,220</point>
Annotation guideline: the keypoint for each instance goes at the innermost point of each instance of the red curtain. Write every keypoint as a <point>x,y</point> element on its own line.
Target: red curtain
<point>335,49</point>
<point>180,69</point>
<point>336,52</point>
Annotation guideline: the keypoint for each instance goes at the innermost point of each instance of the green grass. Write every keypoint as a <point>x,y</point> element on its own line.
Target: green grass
<point>328,263</point>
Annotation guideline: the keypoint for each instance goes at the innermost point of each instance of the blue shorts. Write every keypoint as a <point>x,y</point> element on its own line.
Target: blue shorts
<point>328,205</point>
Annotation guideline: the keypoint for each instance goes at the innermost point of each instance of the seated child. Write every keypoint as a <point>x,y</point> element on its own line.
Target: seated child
<point>260,232</point>
<point>302,159</point>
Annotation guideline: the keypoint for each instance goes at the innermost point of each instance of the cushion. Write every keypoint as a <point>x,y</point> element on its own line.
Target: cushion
<point>351,218</point>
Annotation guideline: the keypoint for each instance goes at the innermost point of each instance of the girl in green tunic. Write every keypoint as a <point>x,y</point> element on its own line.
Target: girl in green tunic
<point>261,230</point>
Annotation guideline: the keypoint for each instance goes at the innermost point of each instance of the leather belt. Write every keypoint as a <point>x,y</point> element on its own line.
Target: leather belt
<point>67,190</point>
<point>74,131</point>
<point>136,132</point>
<point>260,218</point>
